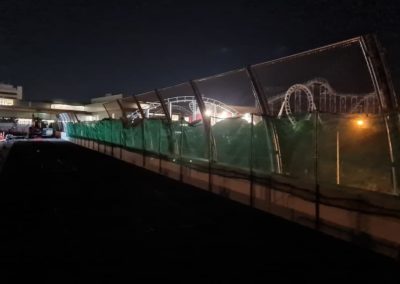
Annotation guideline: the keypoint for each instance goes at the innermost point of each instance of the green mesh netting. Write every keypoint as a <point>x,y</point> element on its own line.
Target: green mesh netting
<point>232,143</point>
<point>239,145</point>
<point>297,146</point>
<point>262,149</point>
<point>132,137</point>
<point>194,142</point>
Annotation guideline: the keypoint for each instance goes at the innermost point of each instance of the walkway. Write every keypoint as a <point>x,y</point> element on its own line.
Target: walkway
<point>69,213</point>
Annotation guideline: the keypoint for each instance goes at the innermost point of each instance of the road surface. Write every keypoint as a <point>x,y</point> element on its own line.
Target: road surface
<point>69,213</point>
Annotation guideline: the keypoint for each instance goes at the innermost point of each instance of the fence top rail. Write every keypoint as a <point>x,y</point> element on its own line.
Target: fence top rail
<point>343,43</point>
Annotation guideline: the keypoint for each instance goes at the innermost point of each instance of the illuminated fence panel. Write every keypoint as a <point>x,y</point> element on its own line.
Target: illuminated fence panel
<point>353,152</point>
<point>132,138</point>
<point>116,131</point>
<point>181,102</point>
<point>194,144</point>
<point>313,119</point>
<point>151,105</point>
<point>228,95</point>
<point>335,79</point>
<point>169,148</point>
<point>130,109</point>
<point>262,148</point>
<point>313,138</point>
<point>297,150</point>
<point>152,135</point>
<point>229,101</point>
<point>334,82</point>
<point>153,111</point>
<point>187,136</point>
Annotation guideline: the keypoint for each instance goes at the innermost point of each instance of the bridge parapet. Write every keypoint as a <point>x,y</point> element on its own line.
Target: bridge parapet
<point>277,137</point>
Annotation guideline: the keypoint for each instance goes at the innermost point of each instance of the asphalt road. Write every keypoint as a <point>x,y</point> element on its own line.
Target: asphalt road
<point>69,214</point>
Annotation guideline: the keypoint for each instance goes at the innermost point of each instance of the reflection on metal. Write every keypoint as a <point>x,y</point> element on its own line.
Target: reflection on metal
<point>386,94</point>
<point>6,102</point>
<point>320,95</point>
<point>114,109</point>
<point>67,107</point>
<point>270,128</point>
<point>311,52</point>
<point>292,88</point>
<point>65,118</point>
<point>214,106</point>
<point>190,107</point>
<point>166,111</point>
<point>297,90</point>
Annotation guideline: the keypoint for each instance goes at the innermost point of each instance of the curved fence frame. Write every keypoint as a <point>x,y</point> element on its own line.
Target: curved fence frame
<point>165,148</point>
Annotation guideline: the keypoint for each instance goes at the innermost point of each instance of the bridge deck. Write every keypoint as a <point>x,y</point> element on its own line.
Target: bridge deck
<point>70,212</point>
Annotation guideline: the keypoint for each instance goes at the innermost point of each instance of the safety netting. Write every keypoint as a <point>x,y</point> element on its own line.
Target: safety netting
<point>314,118</point>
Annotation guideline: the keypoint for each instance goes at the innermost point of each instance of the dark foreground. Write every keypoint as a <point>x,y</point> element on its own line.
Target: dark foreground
<point>69,214</point>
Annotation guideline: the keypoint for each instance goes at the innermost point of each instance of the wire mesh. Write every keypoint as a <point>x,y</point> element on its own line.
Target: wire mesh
<point>325,125</point>
<point>113,109</point>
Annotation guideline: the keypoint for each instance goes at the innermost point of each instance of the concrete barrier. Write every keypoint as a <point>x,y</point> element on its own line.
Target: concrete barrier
<point>366,218</point>
<point>152,164</point>
<point>171,169</point>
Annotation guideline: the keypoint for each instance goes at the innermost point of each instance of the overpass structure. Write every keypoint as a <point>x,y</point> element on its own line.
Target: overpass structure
<point>312,137</point>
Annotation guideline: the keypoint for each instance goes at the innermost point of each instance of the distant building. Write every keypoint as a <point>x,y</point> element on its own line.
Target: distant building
<point>98,109</point>
<point>107,98</point>
<point>10,92</point>
<point>17,114</point>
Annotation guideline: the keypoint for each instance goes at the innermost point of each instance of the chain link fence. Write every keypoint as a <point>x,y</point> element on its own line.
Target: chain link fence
<point>325,117</point>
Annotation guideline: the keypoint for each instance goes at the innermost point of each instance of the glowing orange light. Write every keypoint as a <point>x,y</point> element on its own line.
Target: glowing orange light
<point>360,122</point>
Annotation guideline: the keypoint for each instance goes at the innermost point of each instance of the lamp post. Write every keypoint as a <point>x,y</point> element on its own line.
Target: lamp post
<point>337,157</point>
<point>360,123</point>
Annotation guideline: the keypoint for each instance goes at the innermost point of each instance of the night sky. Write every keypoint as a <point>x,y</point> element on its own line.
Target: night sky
<point>75,50</point>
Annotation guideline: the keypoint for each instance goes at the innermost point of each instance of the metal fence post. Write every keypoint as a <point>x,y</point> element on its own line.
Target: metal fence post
<point>143,144</point>
<point>317,189</point>
<point>207,127</point>
<point>251,161</point>
<point>180,151</point>
<point>159,147</point>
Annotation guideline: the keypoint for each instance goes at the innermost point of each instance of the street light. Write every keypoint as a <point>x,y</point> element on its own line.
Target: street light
<point>359,123</point>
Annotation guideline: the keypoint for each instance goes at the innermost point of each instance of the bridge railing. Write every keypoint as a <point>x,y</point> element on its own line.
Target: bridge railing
<point>321,117</point>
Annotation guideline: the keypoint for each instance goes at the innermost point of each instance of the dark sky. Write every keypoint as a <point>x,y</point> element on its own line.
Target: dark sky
<point>75,50</point>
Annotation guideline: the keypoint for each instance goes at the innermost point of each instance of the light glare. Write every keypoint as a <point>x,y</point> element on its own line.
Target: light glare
<point>224,114</point>
<point>247,117</point>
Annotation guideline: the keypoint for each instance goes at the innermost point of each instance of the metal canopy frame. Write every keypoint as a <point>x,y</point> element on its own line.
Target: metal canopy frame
<point>379,74</point>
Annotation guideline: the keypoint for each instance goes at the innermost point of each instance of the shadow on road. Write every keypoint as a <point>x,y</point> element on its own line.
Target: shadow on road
<point>69,213</point>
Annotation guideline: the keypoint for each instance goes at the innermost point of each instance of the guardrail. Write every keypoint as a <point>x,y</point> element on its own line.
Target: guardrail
<point>369,219</point>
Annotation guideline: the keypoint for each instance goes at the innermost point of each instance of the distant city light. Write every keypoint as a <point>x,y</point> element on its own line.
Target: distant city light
<point>24,121</point>
<point>6,102</point>
<point>67,107</point>
<point>247,117</point>
<point>224,114</point>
